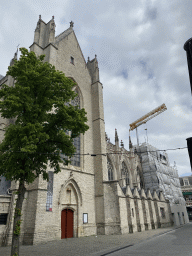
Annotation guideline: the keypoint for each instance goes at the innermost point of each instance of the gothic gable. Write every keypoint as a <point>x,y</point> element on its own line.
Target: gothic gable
<point>69,52</point>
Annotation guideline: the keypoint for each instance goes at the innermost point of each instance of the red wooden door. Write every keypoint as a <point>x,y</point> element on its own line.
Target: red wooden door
<point>66,223</point>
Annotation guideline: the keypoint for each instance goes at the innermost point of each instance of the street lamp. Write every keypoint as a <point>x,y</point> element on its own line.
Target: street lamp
<point>188,48</point>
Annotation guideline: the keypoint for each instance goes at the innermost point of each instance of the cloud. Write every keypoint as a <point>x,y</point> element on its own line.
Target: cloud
<point>139,47</point>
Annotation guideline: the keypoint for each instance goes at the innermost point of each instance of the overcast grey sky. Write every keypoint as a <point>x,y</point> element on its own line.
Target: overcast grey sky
<point>139,47</point>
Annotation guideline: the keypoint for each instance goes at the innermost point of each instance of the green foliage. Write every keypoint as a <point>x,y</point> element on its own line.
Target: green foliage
<point>17,212</point>
<point>38,132</point>
<point>17,228</point>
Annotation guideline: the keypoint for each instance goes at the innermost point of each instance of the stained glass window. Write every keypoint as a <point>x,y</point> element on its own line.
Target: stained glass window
<point>110,169</point>
<point>49,192</point>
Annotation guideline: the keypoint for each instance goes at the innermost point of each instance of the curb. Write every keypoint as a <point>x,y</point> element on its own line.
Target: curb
<point>174,228</point>
<point>118,248</point>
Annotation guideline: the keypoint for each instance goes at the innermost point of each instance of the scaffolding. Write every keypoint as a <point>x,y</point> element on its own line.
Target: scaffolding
<point>159,175</point>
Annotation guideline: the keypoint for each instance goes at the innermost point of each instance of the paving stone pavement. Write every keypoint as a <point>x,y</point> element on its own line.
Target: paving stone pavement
<point>86,246</point>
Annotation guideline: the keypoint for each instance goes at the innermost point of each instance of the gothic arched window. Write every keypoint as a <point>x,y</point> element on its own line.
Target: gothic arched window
<point>76,100</point>
<point>75,160</point>
<point>110,169</point>
<point>125,173</point>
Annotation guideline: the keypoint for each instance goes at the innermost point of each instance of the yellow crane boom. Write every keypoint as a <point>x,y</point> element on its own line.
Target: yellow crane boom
<point>146,118</point>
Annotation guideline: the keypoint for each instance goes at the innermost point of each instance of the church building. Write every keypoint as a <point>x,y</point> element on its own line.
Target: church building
<point>103,190</point>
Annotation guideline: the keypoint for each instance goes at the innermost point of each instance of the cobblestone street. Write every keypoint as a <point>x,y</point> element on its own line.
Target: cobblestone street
<point>93,245</point>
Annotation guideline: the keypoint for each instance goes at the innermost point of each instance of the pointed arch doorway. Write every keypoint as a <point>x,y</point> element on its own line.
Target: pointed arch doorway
<point>67,223</point>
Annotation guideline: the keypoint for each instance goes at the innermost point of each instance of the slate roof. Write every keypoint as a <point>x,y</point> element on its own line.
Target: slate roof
<point>189,179</point>
<point>1,77</point>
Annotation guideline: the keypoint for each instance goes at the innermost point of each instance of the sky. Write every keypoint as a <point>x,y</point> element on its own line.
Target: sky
<point>142,63</point>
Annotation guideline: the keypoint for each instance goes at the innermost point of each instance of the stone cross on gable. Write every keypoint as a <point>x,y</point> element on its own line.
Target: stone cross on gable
<point>71,24</point>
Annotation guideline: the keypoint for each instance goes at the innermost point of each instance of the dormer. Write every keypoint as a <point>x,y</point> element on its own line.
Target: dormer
<point>186,182</point>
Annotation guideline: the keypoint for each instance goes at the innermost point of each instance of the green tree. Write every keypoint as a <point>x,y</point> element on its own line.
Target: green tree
<point>37,102</point>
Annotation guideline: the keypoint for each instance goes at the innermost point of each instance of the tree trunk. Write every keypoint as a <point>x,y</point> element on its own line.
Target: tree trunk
<point>17,219</point>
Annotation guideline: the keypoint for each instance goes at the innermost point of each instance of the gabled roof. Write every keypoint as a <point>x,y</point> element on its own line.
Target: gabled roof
<point>65,34</point>
<point>1,77</point>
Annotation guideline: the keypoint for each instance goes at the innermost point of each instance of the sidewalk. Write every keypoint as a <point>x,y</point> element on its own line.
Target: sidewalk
<point>86,246</point>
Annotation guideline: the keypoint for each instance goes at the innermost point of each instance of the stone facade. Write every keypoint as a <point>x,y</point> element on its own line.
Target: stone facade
<point>105,193</point>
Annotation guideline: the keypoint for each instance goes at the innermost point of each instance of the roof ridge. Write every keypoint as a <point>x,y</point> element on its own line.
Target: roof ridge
<point>65,33</point>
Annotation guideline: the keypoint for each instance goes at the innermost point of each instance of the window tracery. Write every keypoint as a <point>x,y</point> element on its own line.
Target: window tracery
<point>75,160</point>
<point>110,169</point>
<point>125,173</point>
<point>76,100</point>
<point>139,178</point>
